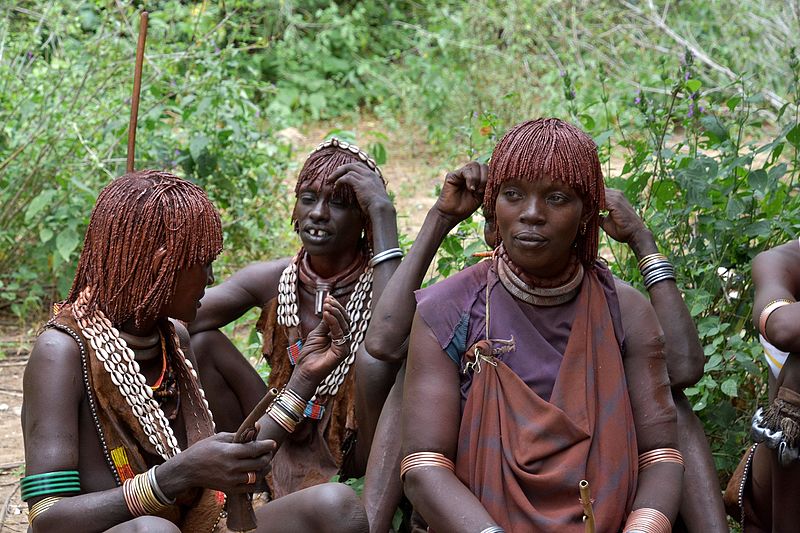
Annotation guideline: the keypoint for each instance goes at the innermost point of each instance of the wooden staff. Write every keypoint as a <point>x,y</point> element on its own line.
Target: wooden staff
<point>137,85</point>
<point>586,502</point>
<point>240,506</point>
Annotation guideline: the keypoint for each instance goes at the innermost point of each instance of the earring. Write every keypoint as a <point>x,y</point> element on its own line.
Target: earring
<point>583,228</point>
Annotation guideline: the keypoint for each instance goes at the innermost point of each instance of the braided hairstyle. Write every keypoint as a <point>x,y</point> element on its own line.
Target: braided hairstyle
<point>136,216</point>
<point>322,163</point>
<point>554,149</point>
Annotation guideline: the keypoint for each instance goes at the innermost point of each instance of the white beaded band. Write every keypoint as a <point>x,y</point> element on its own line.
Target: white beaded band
<point>385,255</point>
<point>493,529</point>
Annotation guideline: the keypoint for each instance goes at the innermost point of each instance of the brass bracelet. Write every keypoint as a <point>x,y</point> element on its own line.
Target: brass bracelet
<point>420,459</point>
<point>647,520</point>
<point>660,455</point>
<point>651,258</point>
<point>40,507</point>
<point>770,308</point>
<point>281,418</point>
<point>140,497</point>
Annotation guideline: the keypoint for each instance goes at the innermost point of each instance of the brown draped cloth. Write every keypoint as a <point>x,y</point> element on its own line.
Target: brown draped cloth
<point>318,449</point>
<point>122,435</point>
<point>524,456</point>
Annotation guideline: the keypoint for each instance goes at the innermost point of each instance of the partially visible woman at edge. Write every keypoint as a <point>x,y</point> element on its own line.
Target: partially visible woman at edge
<point>515,388</point>
<point>347,225</point>
<point>763,492</point>
<point>118,436</point>
<point>462,193</point>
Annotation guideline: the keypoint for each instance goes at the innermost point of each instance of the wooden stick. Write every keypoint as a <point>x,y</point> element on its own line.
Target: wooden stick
<point>240,506</point>
<point>586,503</point>
<point>137,86</point>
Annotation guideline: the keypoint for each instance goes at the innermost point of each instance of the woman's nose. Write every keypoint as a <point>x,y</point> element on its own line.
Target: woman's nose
<point>533,211</point>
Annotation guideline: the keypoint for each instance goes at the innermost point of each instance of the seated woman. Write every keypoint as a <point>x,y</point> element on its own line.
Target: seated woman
<point>764,490</point>
<point>347,226</point>
<point>387,338</point>
<point>118,435</point>
<point>534,371</point>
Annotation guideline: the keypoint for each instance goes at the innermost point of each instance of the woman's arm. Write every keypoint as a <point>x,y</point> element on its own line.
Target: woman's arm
<point>684,353</point>
<point>462,194</point>
<point>654,412</point>
<point>53,388</point>
<point>431,416</point>
<point>776,274</point>
<point>252,286</point>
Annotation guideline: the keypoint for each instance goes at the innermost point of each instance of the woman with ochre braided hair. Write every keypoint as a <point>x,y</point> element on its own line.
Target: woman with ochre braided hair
<point>535,370</point>
<point>118,435</point>
<point>347,226</point>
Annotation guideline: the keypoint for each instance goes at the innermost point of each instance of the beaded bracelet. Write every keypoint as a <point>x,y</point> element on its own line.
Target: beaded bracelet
<point>61,482</point>
<point>770,308</point>
<point>420,459</point>
<point>385,255</point>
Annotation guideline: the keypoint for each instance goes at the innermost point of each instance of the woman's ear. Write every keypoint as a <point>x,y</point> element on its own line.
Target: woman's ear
<point>158,260</point>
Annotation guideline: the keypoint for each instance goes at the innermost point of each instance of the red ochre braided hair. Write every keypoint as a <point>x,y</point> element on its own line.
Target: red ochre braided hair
<point>135,216</point>
<point>551,148</point>
<point>321,164</point>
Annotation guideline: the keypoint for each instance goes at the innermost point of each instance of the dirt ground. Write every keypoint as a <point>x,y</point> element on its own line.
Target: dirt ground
<point>15,344</point>
<point>412,173</point>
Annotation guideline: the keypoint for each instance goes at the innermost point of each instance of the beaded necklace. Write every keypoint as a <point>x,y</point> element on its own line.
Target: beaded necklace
<point>358,308</point>
<point>123,369</point>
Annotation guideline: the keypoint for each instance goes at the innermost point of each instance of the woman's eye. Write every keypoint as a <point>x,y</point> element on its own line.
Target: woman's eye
<point>307,198</point>
<point>512,193</point>
<point>558,198</point>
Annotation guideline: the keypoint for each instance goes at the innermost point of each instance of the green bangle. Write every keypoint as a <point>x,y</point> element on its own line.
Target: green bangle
<point>26,484</point>
<point>50,490</point>
<point>51,475</point>
<point>57,484</point>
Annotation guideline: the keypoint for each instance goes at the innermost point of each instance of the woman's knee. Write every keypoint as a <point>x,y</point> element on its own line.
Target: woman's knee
<point>145,524</point>
<point>339,509</point>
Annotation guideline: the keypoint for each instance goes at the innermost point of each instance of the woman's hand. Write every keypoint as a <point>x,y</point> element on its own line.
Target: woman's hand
<point>462,192</point>
<point>216,462</point>
<point>327,345</point>
<point>622,223</point>
<point>369,188</point>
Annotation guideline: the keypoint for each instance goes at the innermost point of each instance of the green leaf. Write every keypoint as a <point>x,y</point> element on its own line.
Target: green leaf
<point>730,387</point>
<point>38,203</point>
<point>733,101</point>
<point>693,85</point>
<point>713,362</point>
<point>197,146</point>
<point>793,136</point>
<point>45,234</point>
<point>66,242</point>
<point>587,121</point>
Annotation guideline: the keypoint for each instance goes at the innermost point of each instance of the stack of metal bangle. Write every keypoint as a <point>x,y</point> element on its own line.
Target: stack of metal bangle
<point>647,520</point>
<point>654,268</point>
<point>143,496</point>
<point>493,529</point>
<point>420,459</point>
<point>660,455</point>
<point>287,409</point>
<point>385,255</point>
